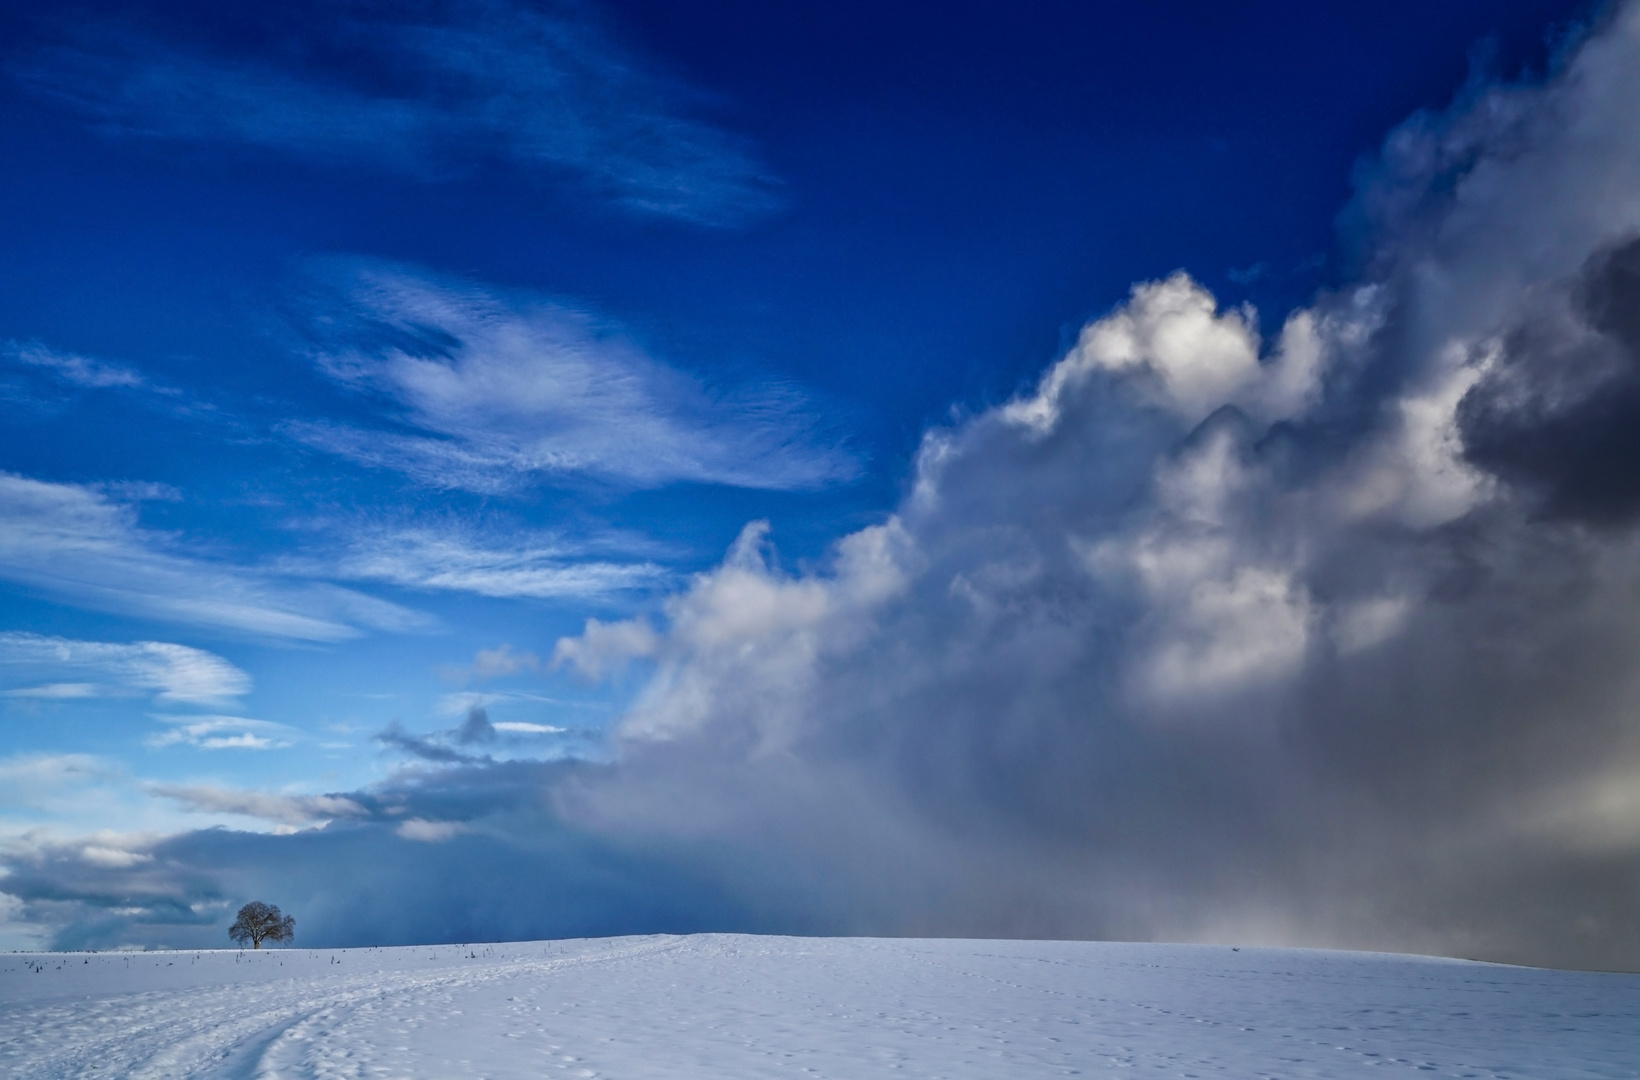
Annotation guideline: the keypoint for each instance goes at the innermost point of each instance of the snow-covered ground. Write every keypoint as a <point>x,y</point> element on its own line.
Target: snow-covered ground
<point>725,1006</point>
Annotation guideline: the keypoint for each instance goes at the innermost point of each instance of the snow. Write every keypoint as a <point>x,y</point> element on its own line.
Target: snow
<point>728,1006</point>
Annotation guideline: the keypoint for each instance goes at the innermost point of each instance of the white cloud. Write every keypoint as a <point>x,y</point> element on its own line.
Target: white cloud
<point>430,832</point>
<point>544,89</point>
<point>263,805</point>
<point>62,803</point>
<point>1252,627</point>
<point>457,559</point>
<point>222,733</point>
<point>54,691</point>
<point>79,543</point>
<point>72,368</point>
<point>748,633</point>
<point>1417,473</point>
<point>602,647</point>
<point>507,390</point>
<point>455,706</point>
<point>112,857</point>
<point>1173,344</point>
<point>39,780</point>
<point>172,673</point>
<point>501,661</point>
<point>523,727</point>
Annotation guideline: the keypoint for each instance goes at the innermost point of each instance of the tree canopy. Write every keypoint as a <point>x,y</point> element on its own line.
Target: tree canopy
<point>259,922</point>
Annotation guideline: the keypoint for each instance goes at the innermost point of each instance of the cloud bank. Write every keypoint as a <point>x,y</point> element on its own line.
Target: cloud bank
<point>423,89</point>
<point>1321,636</point>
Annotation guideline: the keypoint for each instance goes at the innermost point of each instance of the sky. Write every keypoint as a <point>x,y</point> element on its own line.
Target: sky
<point>486,469</point>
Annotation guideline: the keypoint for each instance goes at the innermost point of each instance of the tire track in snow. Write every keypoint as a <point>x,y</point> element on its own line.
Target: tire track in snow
<point>233,1031</point>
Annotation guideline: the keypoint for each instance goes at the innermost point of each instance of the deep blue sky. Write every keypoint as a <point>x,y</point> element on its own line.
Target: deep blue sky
<point>344,343</point>
<point>956,194</point>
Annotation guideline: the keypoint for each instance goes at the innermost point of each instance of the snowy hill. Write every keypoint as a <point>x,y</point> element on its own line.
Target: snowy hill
<point>727,1006</point>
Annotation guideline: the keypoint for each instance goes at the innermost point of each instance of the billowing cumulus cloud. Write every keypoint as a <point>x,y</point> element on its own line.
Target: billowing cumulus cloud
<point>1320,637</point>
<point>492,391</point>
<point>1317,636</point>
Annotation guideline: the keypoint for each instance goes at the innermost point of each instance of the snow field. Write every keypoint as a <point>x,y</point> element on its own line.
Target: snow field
<point>731,1006</point>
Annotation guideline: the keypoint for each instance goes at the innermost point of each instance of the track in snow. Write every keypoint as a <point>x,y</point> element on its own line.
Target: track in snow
<point>727,1006</point>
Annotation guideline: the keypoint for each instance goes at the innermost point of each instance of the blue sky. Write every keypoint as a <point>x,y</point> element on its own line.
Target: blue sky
<point>486,443</point>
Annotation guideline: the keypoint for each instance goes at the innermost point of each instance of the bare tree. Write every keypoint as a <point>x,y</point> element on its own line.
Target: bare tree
<point>259,922</point>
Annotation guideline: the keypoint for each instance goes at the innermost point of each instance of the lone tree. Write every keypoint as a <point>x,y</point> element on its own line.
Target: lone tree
<point>259,922</point>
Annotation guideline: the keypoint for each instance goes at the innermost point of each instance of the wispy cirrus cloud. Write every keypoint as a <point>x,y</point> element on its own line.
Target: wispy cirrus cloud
<point>86,546</point>
<point>64,668</point>
<point>492,391</point>
<point>72,368</point>
<point>222,733</point>
<point>454,558</point>
<point>262,805</point>
<point>422,90</point>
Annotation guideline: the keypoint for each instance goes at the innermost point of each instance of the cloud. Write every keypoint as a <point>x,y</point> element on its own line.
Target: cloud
<point>1184,356</point>
<point>73,369</point>
<point>62,803</point>
<point>524,727</point>
<point>110,880</point>
<point>301,810</point>
<point>65,802</point>
<point>602,647</point>
<point>222,733</point>
<point>427,749</point>
<point>1207,636</point>
<point>50,377</point>
<point>467,835</point>
<point>1326,639</point>
<point>172,673</point>
<point>499,391</point>
<point>37,780</point>
<point>424,91</point>
<point>430,832</point>
<point>499,662</point>
<point>501,741</point>
<point>476,727</point>
<point>1555,406</point>
<point>463,559</point>
<point>83,545</point>
<point>53,691</point>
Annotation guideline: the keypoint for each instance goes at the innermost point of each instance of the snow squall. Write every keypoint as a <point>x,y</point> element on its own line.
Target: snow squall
<point>742,1006</point>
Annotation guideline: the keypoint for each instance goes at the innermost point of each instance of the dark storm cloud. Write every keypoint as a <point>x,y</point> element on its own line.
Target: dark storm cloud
<point>476,728</point>
<point>397,738</point>
<point>1559,412</point>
